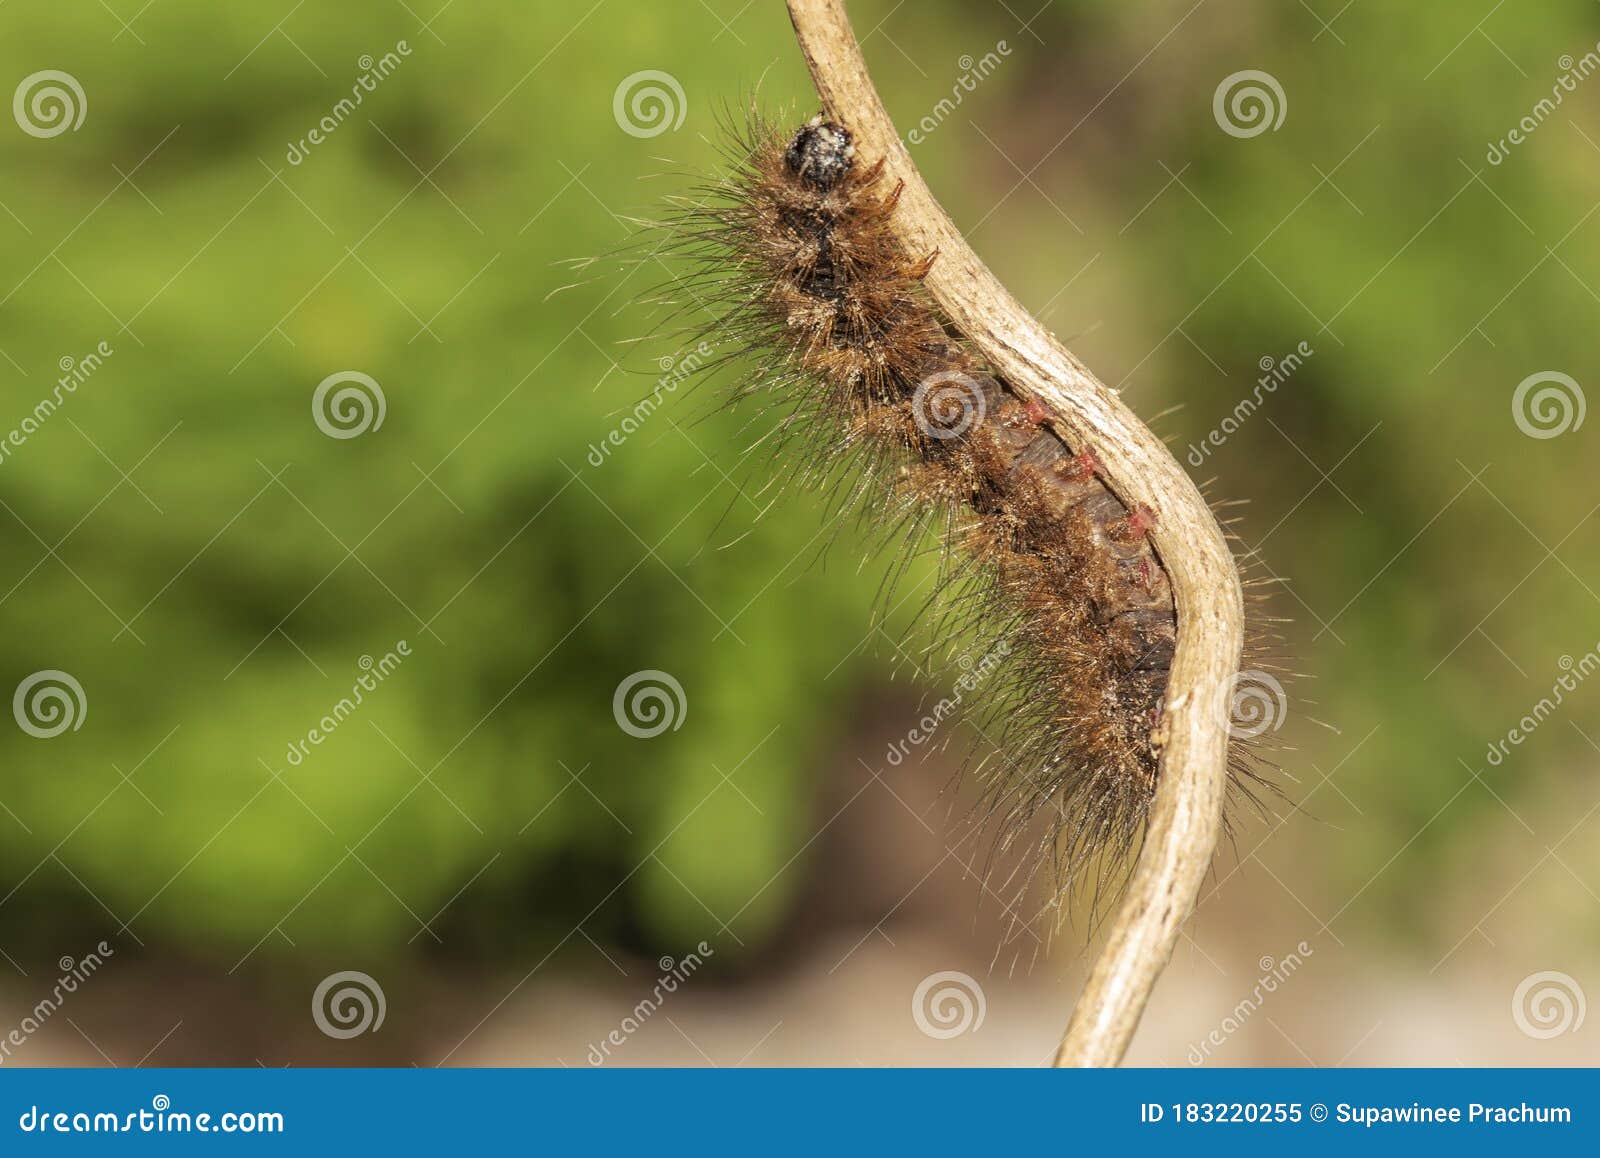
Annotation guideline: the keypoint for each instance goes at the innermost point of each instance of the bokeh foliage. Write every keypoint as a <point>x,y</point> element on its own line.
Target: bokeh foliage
<point>186,493</point>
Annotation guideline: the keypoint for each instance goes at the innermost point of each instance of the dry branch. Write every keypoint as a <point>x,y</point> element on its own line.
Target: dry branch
<point>1186,817</point>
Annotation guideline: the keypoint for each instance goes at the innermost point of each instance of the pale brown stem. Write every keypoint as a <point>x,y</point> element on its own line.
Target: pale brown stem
<point>1186,817</point>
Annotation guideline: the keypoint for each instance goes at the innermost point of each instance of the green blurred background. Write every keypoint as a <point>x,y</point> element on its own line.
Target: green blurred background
<point>211,567</point>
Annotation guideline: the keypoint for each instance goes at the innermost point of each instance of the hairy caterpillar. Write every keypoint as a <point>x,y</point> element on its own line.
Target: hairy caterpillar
<point>794,255</point>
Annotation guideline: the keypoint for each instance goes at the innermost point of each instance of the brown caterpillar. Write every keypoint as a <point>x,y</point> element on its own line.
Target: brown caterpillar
<point>795,256</point>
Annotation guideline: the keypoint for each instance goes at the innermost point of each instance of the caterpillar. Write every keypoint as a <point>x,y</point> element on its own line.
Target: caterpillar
<point>794,257</point>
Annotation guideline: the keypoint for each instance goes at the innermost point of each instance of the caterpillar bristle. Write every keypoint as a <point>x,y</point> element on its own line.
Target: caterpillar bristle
<point>792,258</point>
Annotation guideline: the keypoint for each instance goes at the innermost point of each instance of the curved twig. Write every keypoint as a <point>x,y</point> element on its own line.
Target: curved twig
<point>1186,817</point>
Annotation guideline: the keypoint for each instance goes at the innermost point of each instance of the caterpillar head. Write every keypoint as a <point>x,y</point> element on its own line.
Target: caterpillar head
<point>820,153</point>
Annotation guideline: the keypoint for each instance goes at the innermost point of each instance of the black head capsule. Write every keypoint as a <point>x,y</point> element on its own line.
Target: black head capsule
<point>821,153</point>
